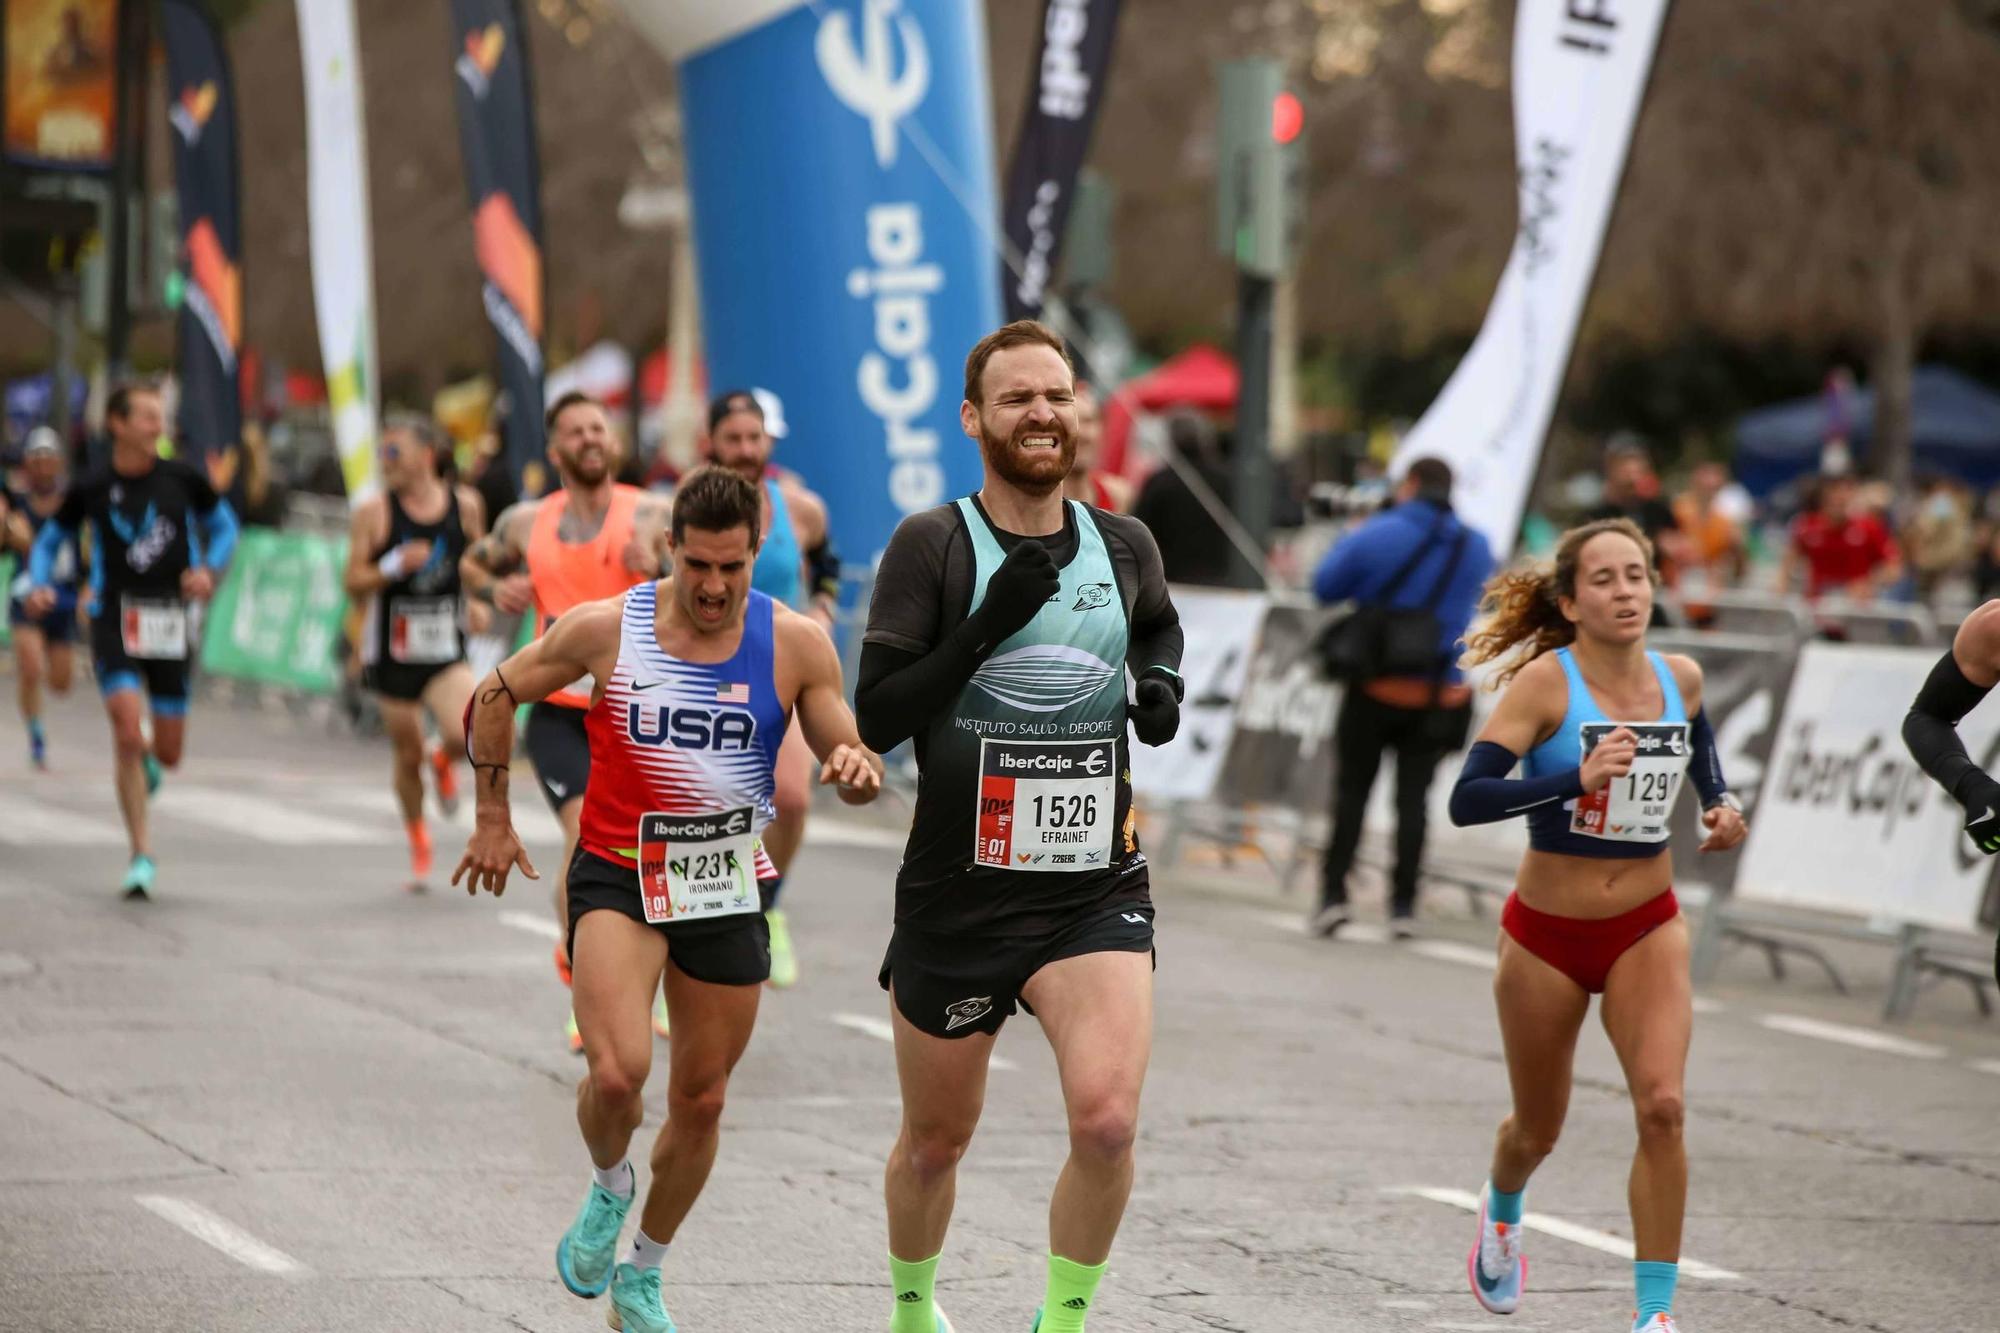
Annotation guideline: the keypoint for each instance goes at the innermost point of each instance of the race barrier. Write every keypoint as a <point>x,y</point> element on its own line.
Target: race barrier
<point>276,618</point>
<point>1849,838</point>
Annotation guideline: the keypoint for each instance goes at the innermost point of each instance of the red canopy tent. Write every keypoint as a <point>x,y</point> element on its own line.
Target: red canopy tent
<point>1202,377</point>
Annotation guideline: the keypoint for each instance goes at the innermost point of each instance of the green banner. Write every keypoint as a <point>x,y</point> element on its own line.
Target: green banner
<point>276,618</point>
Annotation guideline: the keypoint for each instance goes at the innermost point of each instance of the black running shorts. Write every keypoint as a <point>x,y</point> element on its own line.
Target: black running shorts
<point>956,985</point>
<point>725,951</point>
<point>403,681</point>
<point>559,748</point>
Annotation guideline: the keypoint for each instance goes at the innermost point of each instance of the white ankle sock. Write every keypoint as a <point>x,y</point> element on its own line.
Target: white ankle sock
<point>646,1252</point>
<point>619,1179</point>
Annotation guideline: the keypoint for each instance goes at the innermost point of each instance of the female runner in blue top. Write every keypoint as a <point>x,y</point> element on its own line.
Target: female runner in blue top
<point>1604,732</point>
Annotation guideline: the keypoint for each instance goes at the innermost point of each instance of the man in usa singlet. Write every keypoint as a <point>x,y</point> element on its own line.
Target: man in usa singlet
<point>693,681</point>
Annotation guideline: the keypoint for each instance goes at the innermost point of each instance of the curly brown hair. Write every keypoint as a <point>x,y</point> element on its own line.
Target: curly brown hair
<point>1523,605</point>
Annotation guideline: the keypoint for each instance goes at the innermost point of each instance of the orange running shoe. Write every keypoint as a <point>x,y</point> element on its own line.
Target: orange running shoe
<point>420,855</point>
<point>447,779</point>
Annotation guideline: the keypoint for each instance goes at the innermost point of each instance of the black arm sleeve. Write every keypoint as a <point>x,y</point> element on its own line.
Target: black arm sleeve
<point>1157,638</point>
<point>823,569</point>
<point>1705,763</point>
<point>898,692</point>
<point>1930,729</point>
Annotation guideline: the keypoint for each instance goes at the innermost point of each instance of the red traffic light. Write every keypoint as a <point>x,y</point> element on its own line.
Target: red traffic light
<point>1288,118</point>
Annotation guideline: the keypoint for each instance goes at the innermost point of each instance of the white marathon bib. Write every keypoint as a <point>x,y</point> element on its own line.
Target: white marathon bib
<point>154,629</point>
<point>423,631</point>
<point>1046,805</point>
<point>697,866</point>
<point>1636,807</point>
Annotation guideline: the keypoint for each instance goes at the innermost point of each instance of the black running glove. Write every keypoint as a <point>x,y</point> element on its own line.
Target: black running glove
<point>1155,710</point>
<point>1026,581</point>
<point>1981,798</point>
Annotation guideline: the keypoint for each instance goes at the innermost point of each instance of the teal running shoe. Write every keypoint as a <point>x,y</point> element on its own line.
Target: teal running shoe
<point>584,1254</point>
<point>153,772</point>
<point>635,1301</point>
<point>139,878</point>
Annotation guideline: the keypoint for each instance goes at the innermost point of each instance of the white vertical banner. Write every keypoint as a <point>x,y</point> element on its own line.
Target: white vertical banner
<point>343,270</point>
<point>1580,69</point>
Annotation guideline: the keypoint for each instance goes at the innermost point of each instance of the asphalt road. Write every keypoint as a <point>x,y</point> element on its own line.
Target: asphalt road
<point>288,1094</point>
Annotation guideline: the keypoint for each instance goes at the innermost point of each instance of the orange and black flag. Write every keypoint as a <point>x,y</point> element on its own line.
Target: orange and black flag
<point>496,132</point>
<point>201,115</point>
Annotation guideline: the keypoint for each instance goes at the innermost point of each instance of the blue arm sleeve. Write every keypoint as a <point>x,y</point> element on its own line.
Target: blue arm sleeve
<point>46,551</point>
<point>218,535</point>
<point>1484,794</point>
<point>1705,765</point>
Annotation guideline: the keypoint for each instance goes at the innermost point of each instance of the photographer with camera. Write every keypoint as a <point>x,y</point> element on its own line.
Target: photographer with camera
<point>1412,577</point>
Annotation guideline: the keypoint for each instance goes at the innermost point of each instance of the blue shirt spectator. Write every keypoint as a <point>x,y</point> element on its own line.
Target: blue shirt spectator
<point>1362,563</point>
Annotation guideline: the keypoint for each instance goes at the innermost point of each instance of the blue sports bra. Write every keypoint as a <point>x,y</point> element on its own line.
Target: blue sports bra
<point>1551,827</point>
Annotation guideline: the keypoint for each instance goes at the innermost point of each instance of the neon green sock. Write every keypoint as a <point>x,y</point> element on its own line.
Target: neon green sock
<point>913,1280</point>
<point>1071,1288</point>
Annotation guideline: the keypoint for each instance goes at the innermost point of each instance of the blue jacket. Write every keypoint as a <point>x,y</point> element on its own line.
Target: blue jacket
<point>1361,564</point>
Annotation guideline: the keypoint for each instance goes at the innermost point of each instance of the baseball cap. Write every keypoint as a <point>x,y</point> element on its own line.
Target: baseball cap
<point>42,440</point>
<point>774,413</point>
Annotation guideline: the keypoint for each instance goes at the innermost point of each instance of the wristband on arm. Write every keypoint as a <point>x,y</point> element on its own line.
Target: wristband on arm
<point>1484,794</point>
<point>390,566</point>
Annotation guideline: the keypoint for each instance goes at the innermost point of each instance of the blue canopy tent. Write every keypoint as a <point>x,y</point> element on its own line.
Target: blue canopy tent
<point>1955,425</point>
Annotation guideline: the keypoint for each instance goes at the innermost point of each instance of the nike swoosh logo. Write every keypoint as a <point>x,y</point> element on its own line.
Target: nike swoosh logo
<point>636,687</point>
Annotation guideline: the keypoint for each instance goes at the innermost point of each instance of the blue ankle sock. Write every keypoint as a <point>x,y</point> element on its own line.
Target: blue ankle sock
<point>1502,1206</point>
<point>35,730</point>
<point>1654,1283</point>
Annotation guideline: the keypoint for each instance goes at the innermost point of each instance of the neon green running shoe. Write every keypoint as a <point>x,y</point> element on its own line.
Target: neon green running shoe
<point>153,772</point>
<point>584,1254</point>
<point>784,963</point>
<point>635,1302</point>
<point>660,1023</point>
<point>139,878</point>
<point>572,1035</point>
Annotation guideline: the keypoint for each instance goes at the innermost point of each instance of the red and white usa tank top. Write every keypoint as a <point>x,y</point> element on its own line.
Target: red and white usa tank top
<point>682,738</point>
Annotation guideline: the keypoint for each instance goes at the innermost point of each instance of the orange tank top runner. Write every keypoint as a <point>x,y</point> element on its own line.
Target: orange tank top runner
<point>566,573</point>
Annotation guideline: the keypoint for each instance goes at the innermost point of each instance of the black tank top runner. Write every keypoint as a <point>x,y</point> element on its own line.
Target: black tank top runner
<point>412,613</point>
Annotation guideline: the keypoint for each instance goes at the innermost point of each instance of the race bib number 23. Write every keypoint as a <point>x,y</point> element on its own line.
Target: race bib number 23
<point>696,866</point>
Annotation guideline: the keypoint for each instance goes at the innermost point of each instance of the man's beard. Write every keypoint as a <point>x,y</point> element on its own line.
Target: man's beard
<point>588,473</point>
<point>1038,473</point>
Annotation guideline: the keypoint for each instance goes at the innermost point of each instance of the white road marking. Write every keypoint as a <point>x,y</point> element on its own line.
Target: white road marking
<point>1984,1066</point>
<point>1407,1305</point>
<point>1450,951</point>
<point>258,819</point>
<point>1555,1226</point>
<point>1866,1038</point>
<point>1454,1327</point>
<point>27,823</point>
<point>881,1030</point>
<point>1704,1005</point>
<point>840,833</point>
<point>221,1233</point>
<point>534,925</point>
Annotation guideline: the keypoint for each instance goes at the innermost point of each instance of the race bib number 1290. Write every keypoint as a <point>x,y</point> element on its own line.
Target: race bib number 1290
<point>1635,807</point>
<point>1046,805</point>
